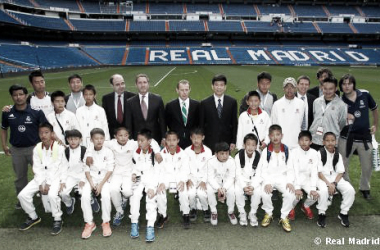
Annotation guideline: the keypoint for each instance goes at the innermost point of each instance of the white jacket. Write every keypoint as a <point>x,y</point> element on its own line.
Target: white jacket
<point>221,174</point>
<point>103,162</point>
<point>143,167</point>
<point>197,163</point>
<point>247,176</point>
<point>67,119</point>
<point>76,166</point>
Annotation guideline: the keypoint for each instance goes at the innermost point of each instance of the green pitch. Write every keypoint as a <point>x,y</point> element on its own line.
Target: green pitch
<point>240,80</point>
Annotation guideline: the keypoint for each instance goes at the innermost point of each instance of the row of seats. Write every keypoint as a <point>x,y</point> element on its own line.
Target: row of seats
<point>228,9</point>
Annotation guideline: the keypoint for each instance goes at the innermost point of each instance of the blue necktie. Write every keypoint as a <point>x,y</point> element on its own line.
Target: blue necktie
<point>220,108</point>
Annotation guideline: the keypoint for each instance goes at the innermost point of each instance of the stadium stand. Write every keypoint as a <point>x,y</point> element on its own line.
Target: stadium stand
<point>270,9</point>
<point>309,11</point>
<point>299,27</point>
<point>373,11</point>
<point>239,10</point>
<point>186,26</point>
<point>108,56</point>
<point>90,7</point>
<point>334,27</point>
<point>256,26</point>
<point>107,25</point>
<point>163,8</point>
<point>368,28</point>
<point>147,26</point>
<point>204,8</point>
<point>67,4</point>
<point>231,26</point>
<point>42,21</point>
<point>5,17</point>
<point>343,10</point>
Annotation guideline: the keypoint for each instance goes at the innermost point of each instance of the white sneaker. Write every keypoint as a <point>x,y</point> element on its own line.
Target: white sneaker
<point>232,218</point>
<point>253,220</point>
<point>243,219</point>
<point>214,219</point>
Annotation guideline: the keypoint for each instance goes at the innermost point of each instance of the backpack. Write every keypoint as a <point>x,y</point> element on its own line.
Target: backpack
<point>82,152</point>
<point>284,149</point>
<point>255,161</point>
<point>323,153</point>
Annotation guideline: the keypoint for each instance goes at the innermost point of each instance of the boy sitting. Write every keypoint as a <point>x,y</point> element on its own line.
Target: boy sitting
<point>276,174</point>
<point>97,182</point>
<point>248,181</point>
<point>220,179</point>
<point>330,172</point>
<point>198,154</point>
<point>48,165</point>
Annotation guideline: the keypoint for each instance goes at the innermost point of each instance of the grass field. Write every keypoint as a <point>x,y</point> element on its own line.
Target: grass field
<point>240,80</point>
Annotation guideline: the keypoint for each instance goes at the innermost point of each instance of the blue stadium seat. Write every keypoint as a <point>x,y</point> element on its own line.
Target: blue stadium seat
<point>270,9</point>
<point>106,55</point>
<point>4,17</point>
<point>256,26</point>
<point>147,26</point>
<point>309,11</point>
<point>186,26</point>
<point>194,8</point>
<point>165,8</point>
<point>99,24</point>
<point>335,28</point>
<point>239,10</point>
<point>67,4</point>
<point>371,11</point>
<point>298,27</point>
<point>233,26</point>
<point>367,28</point>
<point>339,10</point>
<point>56,23</point>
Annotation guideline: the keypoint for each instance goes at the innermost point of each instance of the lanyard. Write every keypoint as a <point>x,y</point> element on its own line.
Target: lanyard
<point>76,104</point>
<point>255,130</point>
<point>262,104</point>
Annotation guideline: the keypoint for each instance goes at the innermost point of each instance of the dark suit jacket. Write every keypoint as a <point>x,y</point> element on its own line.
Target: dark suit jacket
<point>218,130</point>
<point>310,100</point>
<point>315,91</point>
<point>155,121</point>
<point>108,103</point>
<point>173,117</point>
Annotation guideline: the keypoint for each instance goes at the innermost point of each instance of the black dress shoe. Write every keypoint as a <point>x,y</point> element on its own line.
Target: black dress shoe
<point>366,194</point>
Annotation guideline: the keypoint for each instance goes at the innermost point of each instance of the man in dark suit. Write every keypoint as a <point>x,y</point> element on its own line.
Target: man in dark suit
<point>182,114</point>
<point>303,84</point>
<point>146,110</point>
<point>114,104</point>
<point>218,115</point>
<point>322,74</point>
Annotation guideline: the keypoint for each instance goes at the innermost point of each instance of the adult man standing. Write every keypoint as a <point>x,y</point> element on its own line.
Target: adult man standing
<point>322,74</point>
<point>330,113</point>
<point>23,122</point>
<point>289,113</point>
<point>146,110</point>
<point>39,99</point>
<point>357,135</point>
<point>267,98</point>
<point>75,99</point>
<point>303,84</point>
<point>182,114</point>
<point>218,115</point>
<point>114,104</point>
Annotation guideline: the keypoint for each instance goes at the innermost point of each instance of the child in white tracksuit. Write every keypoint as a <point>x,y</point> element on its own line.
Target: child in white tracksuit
<point>248,181</point>
<point>97,181</point>
<point>174,172</point>
<point>330,171</point>
<point>276,174</point>
<point>304,161</point>
<point>144,175</point>
<point>198,154</point>
<point>221,173</point>
<point>48,166</point>
<point>74,155</point>
<point>254,120</point>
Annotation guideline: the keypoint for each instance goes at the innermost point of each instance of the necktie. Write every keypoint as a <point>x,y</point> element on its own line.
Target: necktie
<point>119,110</point>
<point>184,113</point>
<point>220,108</point>
<point>144,108</point>
<point>303,126</point>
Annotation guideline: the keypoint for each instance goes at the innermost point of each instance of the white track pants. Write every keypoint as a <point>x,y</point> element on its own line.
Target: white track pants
<point>309,200</point>
<point>162,202</point>
<point>120,185</point>
<point>195,192</point>
<point>105,203</point>
<point>71,182</point>
<point>230,196</point>
<point>151,206</point>
<point>240,199</point>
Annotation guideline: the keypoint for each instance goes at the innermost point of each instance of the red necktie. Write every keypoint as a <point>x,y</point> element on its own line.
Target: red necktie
<point>119,110</point>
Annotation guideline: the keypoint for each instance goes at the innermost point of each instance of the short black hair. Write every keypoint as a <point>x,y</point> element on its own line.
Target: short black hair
<point>171,132</point>
<point>305,133</point>
<point>250,136</point>
<point>327,134</point>
<point>56,94</point>
<point>220,77</point>
<point>89,87</point>
<point>16,87</point>
<point>197,131</point>
<point>46,125</point>
<point>253,93</point>
<point>331,79</point>
<point>275,127</point>
<point>222,147</point>
<point>350,79</point>
<point>98,131</point>
<point>146,133</point>
<point>35,73</point>
<point>73,76</point>
<point>120,129</point>
<point>264,75</point>
<point>324,70</point>
<point>73,133</point>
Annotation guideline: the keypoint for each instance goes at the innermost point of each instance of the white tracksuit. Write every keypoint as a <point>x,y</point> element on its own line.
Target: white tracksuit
<point>221,175</point>
<point>66,118</point>
<point>198,174</point>
<point>148,179</point>
<point>289,115</point>
<point>305,168</point>
<point>91,117</point>
<point>245,177</point>
<point>174,169</point>
<point>344,187</point>
<point>48,166</point>
<point>246,125</point>
<point>73,175</point>
<point>278,175</point>
<point>103,162</point>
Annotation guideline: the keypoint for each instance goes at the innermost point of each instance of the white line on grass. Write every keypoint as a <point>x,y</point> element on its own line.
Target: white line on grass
<point>164,77</point>
<point>186,73</point>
